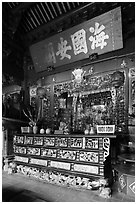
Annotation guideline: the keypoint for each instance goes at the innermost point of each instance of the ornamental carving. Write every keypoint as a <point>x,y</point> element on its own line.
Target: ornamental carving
<point>18,139</point>
<point>49,141</point>
<point>89,156</point>
<point>18,149</point>
<point>28,140</point>
<point>33,151</point>
<point>78,77</point>
<point>60,165</point>
<point>76,142</point>
<point>55,177</point>
<point>38,140</point>
<point>61,142</point>
<point>48,152</point>
<point>38,161</point>
<point>106,146</point>
<point>21,159</point>
<point>92,143</point>
<point>67,154</point>
<point>86,168</point>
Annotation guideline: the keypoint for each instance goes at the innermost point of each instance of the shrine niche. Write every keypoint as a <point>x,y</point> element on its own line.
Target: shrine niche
<point>90,102</point>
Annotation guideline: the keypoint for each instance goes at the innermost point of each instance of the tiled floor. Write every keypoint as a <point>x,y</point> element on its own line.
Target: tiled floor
<point>19,188</point>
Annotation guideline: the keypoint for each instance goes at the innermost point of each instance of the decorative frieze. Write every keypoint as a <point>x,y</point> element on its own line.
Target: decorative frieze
<point>67,154</point>
<point>49,141</point>
<point>33,151</point>
<point>89,156</point>
<point>55,177</point>
<point>48,152</point>
<point>38,140</point>
<point>86,168</point>
<point>92,143</point>
<point>101,170</point>
<point>21,159</point>
<point>61,141</point>
<point>82,154</point>
<point>20,150</point>
<point>76,142</point>
<point>106,146</point>
<point>18,139</point>
<point>28,140</point>
<point>38,161</point>
<point>60,165</point>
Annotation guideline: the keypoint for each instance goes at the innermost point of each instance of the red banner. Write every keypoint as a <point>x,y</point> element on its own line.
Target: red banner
<point>99,35</point>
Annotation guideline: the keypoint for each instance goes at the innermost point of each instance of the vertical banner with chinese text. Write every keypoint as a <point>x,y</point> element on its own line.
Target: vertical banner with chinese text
<point>100,35</point>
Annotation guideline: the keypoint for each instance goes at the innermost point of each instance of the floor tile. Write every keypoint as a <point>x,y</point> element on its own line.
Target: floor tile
<point>20,188</point>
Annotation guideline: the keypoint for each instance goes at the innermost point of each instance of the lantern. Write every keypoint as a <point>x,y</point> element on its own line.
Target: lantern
<point>40,92</point>
<point>117,79</point>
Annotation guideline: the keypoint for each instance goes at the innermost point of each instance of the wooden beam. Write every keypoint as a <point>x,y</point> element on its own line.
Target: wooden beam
<point>21,7</point>
<point>63,17</point>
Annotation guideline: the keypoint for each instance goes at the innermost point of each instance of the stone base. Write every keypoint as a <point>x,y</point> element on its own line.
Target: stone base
<point>61,178</point>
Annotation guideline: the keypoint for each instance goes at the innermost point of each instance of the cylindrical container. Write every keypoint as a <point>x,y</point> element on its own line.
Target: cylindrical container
<point>91,131</point>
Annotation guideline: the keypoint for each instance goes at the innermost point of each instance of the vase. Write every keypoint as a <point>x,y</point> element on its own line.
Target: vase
<point>91,131</point>
<point>35,129</point>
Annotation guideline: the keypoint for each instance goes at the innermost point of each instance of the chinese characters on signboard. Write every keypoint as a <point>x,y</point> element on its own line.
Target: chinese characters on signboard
<point>99,35</point>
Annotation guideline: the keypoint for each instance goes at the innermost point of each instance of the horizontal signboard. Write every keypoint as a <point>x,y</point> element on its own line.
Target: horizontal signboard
<point>99,35</point>
<point>105,129</point>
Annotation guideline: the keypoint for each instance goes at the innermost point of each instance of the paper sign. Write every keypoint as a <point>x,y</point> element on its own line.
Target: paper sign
<point>105,129</point>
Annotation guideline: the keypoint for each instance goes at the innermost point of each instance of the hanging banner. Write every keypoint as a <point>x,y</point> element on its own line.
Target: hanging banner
<point>99,35</point>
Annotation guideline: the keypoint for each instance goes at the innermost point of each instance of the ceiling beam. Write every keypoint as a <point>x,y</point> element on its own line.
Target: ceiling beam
<point>21,7</point>
<point>59,19</point>
<point>63,17</point>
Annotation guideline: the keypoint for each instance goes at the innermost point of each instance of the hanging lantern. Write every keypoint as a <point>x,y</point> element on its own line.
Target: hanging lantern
<point>117,79</point>
<point>40,92</point>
